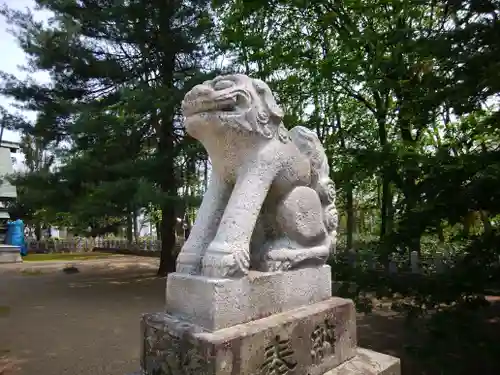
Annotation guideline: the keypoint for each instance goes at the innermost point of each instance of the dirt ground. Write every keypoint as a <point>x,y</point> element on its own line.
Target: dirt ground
<point>87,323</point>
<point>53,323</point>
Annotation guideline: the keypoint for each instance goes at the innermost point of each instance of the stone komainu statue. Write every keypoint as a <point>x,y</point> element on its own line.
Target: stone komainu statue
<point>270,204</point>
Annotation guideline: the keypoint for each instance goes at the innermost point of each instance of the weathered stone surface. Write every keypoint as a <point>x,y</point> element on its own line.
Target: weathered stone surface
<point>308,340</point>
<point>368,362</point>
<point>170,347</point>
<point>270,203</point>
<point>10,254</point>
<point>219,303</point>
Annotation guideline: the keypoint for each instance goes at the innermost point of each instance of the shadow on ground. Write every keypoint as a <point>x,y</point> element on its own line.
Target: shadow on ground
<point>88,323</point>
<point>451,342</point>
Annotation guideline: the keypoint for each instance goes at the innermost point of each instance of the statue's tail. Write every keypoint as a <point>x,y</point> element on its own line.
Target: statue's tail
<point>309,144</point>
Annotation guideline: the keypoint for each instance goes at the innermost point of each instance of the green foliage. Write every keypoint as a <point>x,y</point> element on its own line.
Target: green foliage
<point>398,92</point>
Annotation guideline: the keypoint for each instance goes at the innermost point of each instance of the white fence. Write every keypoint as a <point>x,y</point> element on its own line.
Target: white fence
<point>78,244</point>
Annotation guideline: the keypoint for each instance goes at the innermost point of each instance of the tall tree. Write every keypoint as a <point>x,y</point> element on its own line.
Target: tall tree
<point>366,51</point>
<point>30,202</point>
<point>140,55</point>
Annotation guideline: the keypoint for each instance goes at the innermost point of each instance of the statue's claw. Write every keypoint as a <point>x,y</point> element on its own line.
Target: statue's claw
<point>225,261</point>
<point>188,262</point>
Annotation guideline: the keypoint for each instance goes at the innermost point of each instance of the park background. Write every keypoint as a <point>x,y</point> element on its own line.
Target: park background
<point>403,95</point>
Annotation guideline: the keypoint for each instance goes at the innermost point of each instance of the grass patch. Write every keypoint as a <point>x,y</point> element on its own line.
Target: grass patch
<point>66,256</point>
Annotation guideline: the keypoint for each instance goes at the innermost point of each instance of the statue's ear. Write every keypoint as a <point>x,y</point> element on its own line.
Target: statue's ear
<point>267,97</point>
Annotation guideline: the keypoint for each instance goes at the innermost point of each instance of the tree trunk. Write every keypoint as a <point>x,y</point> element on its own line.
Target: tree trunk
<point>167,148</point>
<point>467,224</point>
<point>379,194</point>
<point>385,206</point>
<point>350,215</point>
<point>348,188</point>
<point>167,228</point>
<point>386,209</point>
<point>136,231</point>
<point>205,175</point>
<point>169,184</point>
<point>158,229</point>
<point>38,231</point>
<point>361,227</point>
<point>168,208</point>
<point>414,235</point>
<point>486,222</point>
<point>187,232</point>
<point>129,227</point>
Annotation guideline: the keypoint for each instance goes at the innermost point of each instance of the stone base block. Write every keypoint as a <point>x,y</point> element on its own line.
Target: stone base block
<point>220,303</point>
<point>308,340</point>
<point>368,362</point>
<point>10,254</point>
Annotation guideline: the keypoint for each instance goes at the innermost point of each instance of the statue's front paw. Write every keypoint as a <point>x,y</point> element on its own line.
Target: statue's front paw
<point>188,261</point>
<point>187,268</point>
<point>226,261</point>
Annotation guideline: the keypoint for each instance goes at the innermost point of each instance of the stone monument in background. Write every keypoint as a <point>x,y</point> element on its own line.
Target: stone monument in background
<point>252,293</point>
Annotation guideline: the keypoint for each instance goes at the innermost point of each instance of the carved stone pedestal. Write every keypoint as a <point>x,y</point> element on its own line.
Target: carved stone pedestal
<point>267,323</point>
<point>309,340</point>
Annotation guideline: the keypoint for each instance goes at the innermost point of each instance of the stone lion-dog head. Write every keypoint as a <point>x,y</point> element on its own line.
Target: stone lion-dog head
<point>235,102</point>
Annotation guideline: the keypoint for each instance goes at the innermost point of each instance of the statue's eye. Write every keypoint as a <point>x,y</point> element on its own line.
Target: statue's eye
<point>223,84</point>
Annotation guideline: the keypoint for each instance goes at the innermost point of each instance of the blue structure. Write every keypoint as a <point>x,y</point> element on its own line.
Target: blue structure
<point>15,235</point>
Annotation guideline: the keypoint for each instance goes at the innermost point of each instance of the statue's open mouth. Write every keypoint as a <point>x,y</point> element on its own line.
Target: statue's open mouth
<point>227,104</point>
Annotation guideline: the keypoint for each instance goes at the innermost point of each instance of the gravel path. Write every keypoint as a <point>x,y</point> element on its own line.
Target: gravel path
<point>52,323</point>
